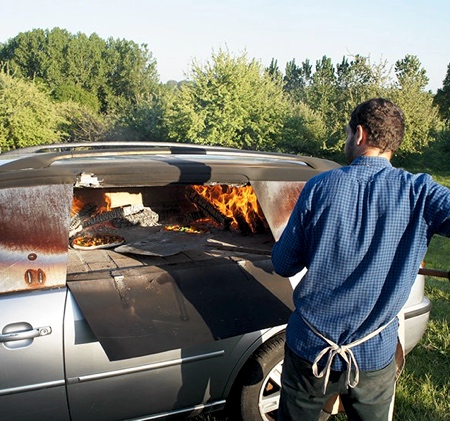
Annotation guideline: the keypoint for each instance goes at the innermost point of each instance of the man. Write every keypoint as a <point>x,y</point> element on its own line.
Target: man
<point>362,232</point>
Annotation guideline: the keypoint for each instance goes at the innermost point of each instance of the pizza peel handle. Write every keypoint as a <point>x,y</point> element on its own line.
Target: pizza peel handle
<point>434,272</point>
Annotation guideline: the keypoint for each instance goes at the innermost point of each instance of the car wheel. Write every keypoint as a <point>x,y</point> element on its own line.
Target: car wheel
<point>257,392</point>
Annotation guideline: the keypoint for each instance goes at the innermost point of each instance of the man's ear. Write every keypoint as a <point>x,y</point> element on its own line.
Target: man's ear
<point>360,134</point>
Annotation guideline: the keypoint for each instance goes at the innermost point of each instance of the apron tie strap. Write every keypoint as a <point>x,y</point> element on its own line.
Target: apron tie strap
<point>345,352</point>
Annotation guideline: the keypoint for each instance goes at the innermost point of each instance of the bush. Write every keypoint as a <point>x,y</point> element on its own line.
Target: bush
<point>27,115</point>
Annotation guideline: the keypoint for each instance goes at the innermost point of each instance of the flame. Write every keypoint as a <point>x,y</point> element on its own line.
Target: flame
<point>107,206</point>
<point>79,202</point>
<point>233,202</point>
<point>77,205</point>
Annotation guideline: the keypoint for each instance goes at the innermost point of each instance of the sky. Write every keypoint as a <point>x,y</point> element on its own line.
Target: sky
<point>181,32</point>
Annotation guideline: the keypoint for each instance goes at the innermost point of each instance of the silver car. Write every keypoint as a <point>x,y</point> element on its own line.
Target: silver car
<point>136,280</point>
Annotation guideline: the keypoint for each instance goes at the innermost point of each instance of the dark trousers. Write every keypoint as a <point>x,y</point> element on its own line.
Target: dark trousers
<point>302,397</point>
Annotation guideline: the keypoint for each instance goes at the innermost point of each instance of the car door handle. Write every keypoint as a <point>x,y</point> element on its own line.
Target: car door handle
<point>26,334</point>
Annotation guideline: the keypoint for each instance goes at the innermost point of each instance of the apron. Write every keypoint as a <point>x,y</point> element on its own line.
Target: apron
<point>334,405</point>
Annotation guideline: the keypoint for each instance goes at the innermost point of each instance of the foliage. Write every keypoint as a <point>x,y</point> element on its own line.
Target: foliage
<point>304,131</point>
<point>130,75</point>
<point>297,79</point>
<point>70,92</point>
<point>410,73</point>
<point>112,90</point>
<point>273,70</point>
<point>442,97</point>
<point>358,80</point>
<point>82,124</point>
<point>230,102</point>
<point>143,121</point>
<point>332,92</point>
<point>108,75</point>
<point>421,116</point>
<point>27,115</point>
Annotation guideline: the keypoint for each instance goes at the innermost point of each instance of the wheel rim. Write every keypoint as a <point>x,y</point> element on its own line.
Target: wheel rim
<point>269,395</point>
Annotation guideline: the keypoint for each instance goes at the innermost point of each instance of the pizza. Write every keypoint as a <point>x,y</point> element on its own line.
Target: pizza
<point>97,241</point>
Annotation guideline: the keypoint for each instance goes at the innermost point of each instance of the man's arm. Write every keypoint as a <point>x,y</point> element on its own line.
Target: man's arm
<point>288,252</point>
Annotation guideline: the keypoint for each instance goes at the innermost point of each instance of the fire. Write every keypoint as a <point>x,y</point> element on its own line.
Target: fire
<point>234,202</point>
<point>79,202</point>
<point>77,205</point>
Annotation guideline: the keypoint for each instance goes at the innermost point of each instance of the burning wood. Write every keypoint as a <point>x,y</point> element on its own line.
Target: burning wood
<point>238,205</point>
<point>79,223</point>
<point>258,224</point>
<point>244,227</point>
<point>208,208</point>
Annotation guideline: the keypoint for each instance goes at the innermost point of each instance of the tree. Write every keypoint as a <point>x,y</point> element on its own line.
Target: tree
<point>357,80</point>
<point>130,76</point>
<point>421,116</point>
<point>297,80</point>
<point>273,70</point>
<point>144,120</point>
<point>108,75</point>
<point>27,116</point>
<point>82,124</point>
<point>230,102</point>
<point>410,73</point>
<point>442,97</point>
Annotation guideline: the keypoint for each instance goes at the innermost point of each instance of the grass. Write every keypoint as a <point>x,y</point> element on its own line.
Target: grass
<point>423,390</point>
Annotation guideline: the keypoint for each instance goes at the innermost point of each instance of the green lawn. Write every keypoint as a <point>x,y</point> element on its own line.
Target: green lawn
<point>424,387</point>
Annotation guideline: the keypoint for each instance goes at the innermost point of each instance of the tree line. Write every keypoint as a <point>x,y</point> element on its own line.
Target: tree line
<point>61,87</point>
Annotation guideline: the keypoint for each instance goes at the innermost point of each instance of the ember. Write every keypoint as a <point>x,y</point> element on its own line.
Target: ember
<point>188,229</point>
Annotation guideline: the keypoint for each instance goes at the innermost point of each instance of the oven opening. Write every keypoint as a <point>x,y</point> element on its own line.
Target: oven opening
<point>144,223</point>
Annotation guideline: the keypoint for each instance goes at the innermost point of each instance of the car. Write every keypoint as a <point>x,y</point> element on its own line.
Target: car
<point>136,280</point>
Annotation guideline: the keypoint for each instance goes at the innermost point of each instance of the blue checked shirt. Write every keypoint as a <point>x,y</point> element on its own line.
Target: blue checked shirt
<point>362,232</point>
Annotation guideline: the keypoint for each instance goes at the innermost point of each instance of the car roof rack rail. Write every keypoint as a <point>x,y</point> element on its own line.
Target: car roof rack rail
<point>43,156</point>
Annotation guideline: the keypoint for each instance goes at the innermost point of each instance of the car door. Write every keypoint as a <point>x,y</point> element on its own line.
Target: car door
<point>32,385</point>
<point>33,255</point>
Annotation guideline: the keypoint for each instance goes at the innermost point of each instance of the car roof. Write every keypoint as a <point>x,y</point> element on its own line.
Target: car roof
<point>102,164</point>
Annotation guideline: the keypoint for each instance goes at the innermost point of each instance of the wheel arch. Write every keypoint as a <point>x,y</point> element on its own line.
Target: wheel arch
<point>250,351</point>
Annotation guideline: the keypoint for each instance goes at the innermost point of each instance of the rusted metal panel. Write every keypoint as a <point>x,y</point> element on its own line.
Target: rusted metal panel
<point>34,227</point>
<point>277,200</point>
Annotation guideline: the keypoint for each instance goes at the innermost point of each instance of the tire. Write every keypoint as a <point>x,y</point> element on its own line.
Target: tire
<point>257,390</point>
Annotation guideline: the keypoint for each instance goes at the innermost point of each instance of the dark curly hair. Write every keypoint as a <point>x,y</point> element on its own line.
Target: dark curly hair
<point>383,121</point>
